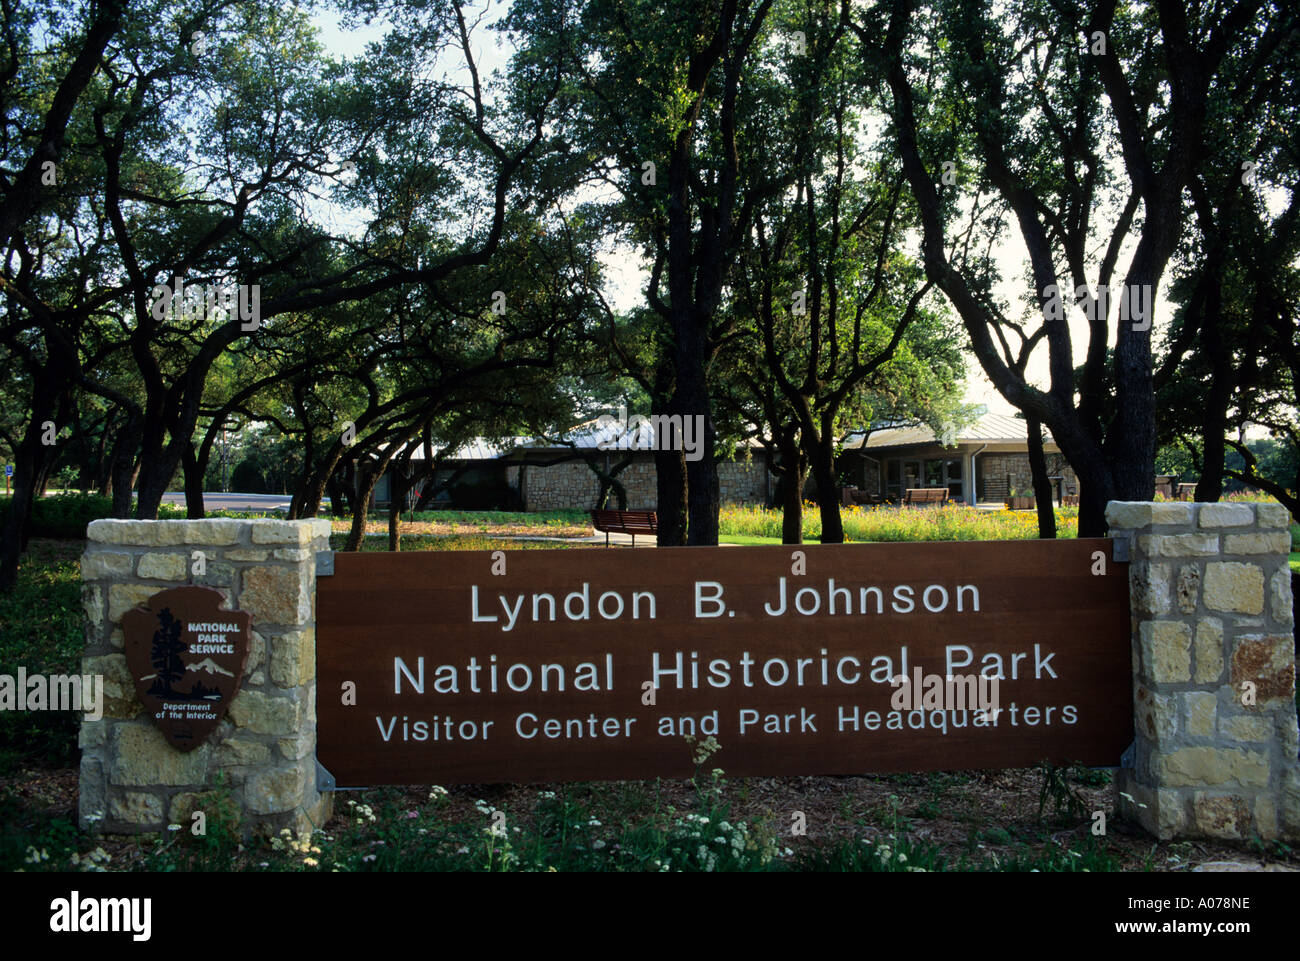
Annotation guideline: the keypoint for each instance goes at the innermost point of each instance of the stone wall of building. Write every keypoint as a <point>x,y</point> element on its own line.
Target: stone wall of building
<point>572,485</point>
<point>263,752</point>
<point>1213,670</point>
<point>999,473</point>
<point>743,481</point>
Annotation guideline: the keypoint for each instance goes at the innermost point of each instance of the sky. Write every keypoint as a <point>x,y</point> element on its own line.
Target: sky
<point>626,275</point>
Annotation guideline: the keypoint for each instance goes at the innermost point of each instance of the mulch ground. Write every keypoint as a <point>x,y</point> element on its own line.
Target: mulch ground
<point>443,529</point>
<point>976,813</point>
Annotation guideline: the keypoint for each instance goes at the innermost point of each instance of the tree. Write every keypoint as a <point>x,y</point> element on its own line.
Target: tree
<point>667,106</point>
<point>1069,117</point>
<point>837,312</point>
<point>194,167</point>
<point>1230,357</point>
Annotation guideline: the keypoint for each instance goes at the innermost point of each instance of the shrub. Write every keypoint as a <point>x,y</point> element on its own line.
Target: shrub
<point>65,516</point>
<point>247,479</point>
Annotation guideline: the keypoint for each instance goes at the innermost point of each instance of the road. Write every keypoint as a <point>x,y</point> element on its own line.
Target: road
<point>218,501</point>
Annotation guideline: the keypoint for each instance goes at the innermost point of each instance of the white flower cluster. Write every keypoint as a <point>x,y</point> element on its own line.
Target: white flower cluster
<point>890,856</point>
<point>704,750</point>
<point>36,857</point>
<point>363,813</point>
<point>298,845</point>
<point>94,861</point>
<point>716,840</point>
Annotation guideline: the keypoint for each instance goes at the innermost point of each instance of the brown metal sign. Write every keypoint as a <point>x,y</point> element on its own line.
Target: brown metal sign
<point>455,667</point>
<point>187,657</point>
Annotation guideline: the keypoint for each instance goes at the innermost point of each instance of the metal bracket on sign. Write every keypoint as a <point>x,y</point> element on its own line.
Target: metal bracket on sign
<point>325,781</point>
<point>324,563</point>
<point>1121,548</point>
<point>1127,759</point>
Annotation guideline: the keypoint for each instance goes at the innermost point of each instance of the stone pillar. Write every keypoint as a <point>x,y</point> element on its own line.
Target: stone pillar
<point>1211,601</point>
<point>263,752</point>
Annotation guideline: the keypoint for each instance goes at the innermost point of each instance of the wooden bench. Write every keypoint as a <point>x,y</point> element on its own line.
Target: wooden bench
<point>925,496</point>
<point>625,522</point>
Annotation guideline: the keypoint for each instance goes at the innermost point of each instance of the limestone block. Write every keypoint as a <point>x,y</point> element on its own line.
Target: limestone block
<point>1199,766</point>
<point>1244,727</point>
<point>261,713</point>
<point>1157,715</point>
<point>1280,596</point>
<point>1166,651</point>
<point>1221,816</point>
<point>120,700</point>
<point>1201,710</point>
<point>1226,515</point>
<point>1234,586</point>
<point>275,595</point>
<point>236,751</point>
<point>1269,662</point>
<point>135,807</point>
<point>276,790</point>
<point>163,567</point>
<point>123,597</point>
<point>1149,587</point>
<point>1269,542</point>
<point>1188,588</point>
<point>141,757</point>
<point>96,565</point>
<point>1179,545</point>
<point>293,657</point>
<point>1273,515</point>
<point>1209,650</point>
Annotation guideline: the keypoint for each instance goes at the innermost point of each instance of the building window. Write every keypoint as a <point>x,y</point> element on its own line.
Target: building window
<point>901,474</point>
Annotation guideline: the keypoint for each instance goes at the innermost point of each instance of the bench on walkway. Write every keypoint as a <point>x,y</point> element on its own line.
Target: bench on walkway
<point>625,522</point>
<point>925,496</point>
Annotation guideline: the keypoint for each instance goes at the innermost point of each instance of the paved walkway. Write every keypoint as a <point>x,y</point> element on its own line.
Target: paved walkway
<point>220,501</point>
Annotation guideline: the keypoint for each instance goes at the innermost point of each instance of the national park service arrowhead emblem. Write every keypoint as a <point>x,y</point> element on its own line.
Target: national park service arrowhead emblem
<point>187,657</point>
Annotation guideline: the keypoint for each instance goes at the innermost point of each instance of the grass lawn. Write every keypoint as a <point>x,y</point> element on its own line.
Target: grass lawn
<point>1012,820</point>
<point>875,524</point>
<point>747,539</point>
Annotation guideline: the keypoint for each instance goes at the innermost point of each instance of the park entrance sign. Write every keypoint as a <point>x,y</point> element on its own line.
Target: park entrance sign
<point>463,667</point>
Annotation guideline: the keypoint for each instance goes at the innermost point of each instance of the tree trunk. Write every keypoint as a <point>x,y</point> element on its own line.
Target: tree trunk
<point>793,473</point>
<point>792,505</point>
<point>1209,486</point>
<point>123,470</point>
<point>366,487</point>
<point>27,468</point>
<point>155,476</point>
<point>821,461</point>
<point>670,491</point>
<point>692,401</point>
<point>17,518</point>
<point>1042,486</point>
<point>193,483</point>
<point>1095,491</point>
<point>398,485</point>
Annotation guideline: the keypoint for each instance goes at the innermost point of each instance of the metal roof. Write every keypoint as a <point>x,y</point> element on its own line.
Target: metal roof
<point>988,429</point>
<point>601,433</point>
